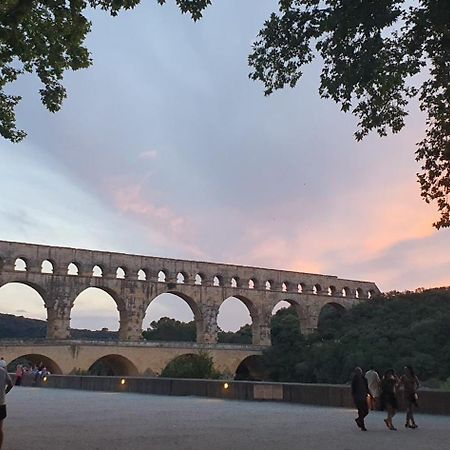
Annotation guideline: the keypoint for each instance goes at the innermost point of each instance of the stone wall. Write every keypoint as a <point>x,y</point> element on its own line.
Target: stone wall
<point>430,401</point>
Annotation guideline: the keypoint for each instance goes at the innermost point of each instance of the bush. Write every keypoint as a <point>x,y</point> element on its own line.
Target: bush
<point>191,366</point>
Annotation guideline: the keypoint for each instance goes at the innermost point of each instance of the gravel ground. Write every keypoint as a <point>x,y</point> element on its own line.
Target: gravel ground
<point>68,420</point>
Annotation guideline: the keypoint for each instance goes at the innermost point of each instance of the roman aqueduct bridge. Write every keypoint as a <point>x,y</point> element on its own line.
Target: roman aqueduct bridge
<point>60,274</point>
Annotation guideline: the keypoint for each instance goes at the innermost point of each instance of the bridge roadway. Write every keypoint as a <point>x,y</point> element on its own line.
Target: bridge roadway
<point>44,419</point>
<point>124,358</point>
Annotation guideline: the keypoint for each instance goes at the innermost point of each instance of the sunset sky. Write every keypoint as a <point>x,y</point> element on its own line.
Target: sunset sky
<point>165,147</point>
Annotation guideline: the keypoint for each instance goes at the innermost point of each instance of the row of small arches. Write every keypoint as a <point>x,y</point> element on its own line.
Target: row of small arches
<point>72,269</point>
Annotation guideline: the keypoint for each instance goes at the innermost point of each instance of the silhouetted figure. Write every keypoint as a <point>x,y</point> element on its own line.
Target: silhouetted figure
<point>5,386</point>
<point>389,396</point>
<point>360,391</point>
<point>410,384</point>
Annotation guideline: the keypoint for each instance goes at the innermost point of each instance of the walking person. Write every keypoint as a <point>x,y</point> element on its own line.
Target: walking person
<point>360,391</point>
<point>374,382</point>
<point>388,396</point>
<point>410,384</point>
<point>5,386</point>
<point>19,375</point>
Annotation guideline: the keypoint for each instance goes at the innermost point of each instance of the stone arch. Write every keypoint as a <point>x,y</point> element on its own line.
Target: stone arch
<point>317,289</point>
<point>346,292</point>
<point>251,368</point>
<point>285,303</point>
<point>198,279</point>
<point>188,357</point>
<point>285,286</point>
<point>234,283</point>
<point>268,285</point>
<point>217,281</point>
<point>121,273</point>
<point>253,313</point>
<point>35,359</point>
<point>122,314</point>
<point>193,306</point>
<point>113,365</point>
<point>333,310</point>
<point>359,293</point>
<point>73,268</point>
<point>332,291</point>
<point>97,271</point>
<point>252,283</point>
<point>21,264</point>
<point>142,275</point>
<point>26,291</point>
<point>182,277</point>
<point>162,276</point>
<point>48,266</point>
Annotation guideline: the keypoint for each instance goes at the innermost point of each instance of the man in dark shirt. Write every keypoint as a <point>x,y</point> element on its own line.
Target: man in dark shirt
<point>360,391</point>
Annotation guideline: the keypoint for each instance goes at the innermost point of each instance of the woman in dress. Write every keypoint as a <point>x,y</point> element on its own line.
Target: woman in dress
<point>388,396</point>
<point>410,384</point>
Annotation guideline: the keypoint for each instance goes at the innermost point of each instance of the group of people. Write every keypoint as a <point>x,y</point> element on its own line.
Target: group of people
<point>37,371</point>
<point>368,390</point>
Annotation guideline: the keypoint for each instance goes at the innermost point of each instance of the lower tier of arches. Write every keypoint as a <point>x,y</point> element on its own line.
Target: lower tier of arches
<point>119,360</point>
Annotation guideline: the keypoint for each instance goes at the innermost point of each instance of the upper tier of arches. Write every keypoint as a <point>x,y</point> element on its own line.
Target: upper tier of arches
<point>85,263</point>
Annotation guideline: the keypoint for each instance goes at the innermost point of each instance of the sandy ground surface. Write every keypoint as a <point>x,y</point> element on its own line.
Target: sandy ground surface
<point>68,420</point>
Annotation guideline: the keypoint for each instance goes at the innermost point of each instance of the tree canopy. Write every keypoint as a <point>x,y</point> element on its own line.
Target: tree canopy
<point>372,53</point>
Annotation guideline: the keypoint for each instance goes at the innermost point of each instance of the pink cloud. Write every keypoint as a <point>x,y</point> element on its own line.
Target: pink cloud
<point>172,229</point>
<point>149,154</point>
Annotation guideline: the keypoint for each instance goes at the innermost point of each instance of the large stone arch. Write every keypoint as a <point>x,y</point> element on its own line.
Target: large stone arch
<point>36,359</point>
<point>189,355</point>
<point>338,307</point>
<point>37,288</point>
<point>113,365</point>
<point>255,314</point>
<point>193,305</point>
<point>299,309</point>
<point>118,300</point>
<point>251,368</point>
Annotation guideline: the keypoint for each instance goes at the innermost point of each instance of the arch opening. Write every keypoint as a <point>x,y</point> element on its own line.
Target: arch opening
<point>120,273</point>
<point>198,279</point>
<point>47,266</point>
<point>251,369</point>
<point>190,365</point>
<point>329,320</point>
<point>95,315</point>
<point>72,269</point>
<point>141,275</point>
<point>235,321</point>
<point>20,265</point>
<point>285,320</point>
<point>97,271</point>
<point>33,360</point>
<point>268,285</point>
<point>113,366</point>
<point>24,301</point>
<point>217,281</point>
<point>181,277</point>
<point>251,283</point>
<point>172,317</point>
<point>161,276</point>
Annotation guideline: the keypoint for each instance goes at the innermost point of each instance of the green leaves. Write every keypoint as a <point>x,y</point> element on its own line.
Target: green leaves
<point>46,37</point>
<point>371,50</point>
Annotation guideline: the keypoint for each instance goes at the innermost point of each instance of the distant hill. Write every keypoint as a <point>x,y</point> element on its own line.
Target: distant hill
<point>19,327</point>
